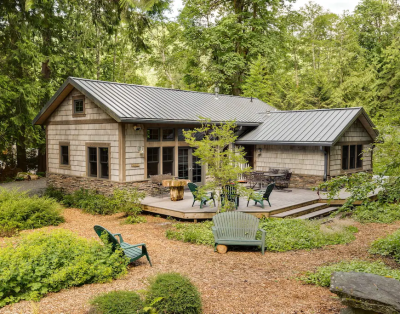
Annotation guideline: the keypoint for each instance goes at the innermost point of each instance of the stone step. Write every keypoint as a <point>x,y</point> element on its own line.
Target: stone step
<point>318,213</point>
<point>301,211</point>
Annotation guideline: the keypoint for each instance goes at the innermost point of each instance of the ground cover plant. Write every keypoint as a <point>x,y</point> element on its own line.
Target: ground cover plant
<point>117,302</point>
<point>322,276</point>
<point>281,234</point>
<point>19,211</point>
<point>127,201</point>
<point>174,294</point>
<point>388,246</point>
<point>48,261</point>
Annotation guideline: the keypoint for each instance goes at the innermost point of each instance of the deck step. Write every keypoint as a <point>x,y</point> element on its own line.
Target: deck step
<point>301,211</point>
<point>318,213</point>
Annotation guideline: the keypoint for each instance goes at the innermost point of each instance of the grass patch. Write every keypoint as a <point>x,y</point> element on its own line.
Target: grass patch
<point>117,302</point>
<point>375,212</point>
<point>43,262</point>
<point>19,211</point>
<point>281,234</point>
<point>388,246</point>
<point>322,277</point>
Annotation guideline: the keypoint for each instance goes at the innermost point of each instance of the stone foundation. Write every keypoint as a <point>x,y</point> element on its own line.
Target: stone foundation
<point>303,181</point>
<point>72,183</point>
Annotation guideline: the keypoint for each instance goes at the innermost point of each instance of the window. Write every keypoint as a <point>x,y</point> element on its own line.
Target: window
<point>351,157</point>
<point>168,135</point>
<point>78,106</point>
<point>168,160</point>
<point>152,161</point>
<point>64,154</point>
<point>98,161</point>
<point>199,136</point>
<point>153,134</point>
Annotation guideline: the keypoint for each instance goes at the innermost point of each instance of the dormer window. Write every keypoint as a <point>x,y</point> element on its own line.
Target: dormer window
<point>78,106</point>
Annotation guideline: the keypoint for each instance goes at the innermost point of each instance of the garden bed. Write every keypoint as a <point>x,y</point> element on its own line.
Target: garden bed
<point>241,281</point>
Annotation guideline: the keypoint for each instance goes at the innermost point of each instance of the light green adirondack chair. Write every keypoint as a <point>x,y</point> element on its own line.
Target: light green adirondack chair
<point>237,228</point>
<point>131,251</point>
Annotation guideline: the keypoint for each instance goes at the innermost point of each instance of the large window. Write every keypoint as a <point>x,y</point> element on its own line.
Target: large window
<point>168,135</point>
<point>153,134</point>
<point>352,157</point>
<point>153,160</point>
<point>98,162</point>
<point>168,160</point>
<point>64,155</point>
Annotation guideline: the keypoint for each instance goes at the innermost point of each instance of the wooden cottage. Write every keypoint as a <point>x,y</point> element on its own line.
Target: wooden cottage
<point>105,135</point>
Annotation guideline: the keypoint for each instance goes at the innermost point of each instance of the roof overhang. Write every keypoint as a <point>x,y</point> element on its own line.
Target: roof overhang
<point>284,143</point>
<point>197,122</point>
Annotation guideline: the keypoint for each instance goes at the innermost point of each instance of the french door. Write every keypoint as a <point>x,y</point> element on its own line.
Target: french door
<point>188,168</point>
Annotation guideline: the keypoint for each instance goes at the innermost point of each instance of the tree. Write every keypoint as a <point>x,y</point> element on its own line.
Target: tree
<point>224,164</point>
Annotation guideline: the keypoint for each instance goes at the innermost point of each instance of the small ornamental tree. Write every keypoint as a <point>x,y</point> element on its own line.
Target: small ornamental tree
<point>224,163</point>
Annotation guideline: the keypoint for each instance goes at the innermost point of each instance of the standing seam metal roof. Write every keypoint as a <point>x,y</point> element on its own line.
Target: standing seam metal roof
<point>304,127</point>
<point>135,103</point>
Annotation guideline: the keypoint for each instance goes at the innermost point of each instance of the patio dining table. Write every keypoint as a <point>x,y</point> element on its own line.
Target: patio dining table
<point>261,177</point>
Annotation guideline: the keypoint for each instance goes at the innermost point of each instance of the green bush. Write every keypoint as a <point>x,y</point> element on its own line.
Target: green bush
<point>92,202</point>
<point>197,233</point>
<point>19,211</point>
<point>322,277</point>
<point>376,212</point>
<point>117,302</point>
<point>296,234</point>
<point>41,174</point>
<point>281,234</point>
<point>179,295</point>
<point>388,246</point>
<point>43,262</point>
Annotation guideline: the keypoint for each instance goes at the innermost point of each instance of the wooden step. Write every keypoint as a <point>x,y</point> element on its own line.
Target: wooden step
<point>287,208</point>
<point>318,213</point>
<point>300,211</point>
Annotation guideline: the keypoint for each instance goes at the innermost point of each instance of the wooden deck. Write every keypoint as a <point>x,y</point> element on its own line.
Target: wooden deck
<point>280,201</point>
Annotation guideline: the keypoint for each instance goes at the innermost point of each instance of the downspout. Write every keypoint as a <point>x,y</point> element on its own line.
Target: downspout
<point>325,162</point>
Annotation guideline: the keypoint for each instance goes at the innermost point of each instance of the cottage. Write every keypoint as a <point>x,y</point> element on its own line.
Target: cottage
<point>105,135</point>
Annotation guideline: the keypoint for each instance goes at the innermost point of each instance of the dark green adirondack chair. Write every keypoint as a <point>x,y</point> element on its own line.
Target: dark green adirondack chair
<point>259,197</point>
<point>237,228</point>
<point>202,199</point>
<point>133,252</point>
<point>231,195</point>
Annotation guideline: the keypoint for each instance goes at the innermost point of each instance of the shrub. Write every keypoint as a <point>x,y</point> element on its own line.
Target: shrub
<point>117,302</point>
<point>52,192</point>
<point>41,174</point>
<point>19,211</point>
<point>388,246</point>
<point>322,277</point>
<point>197,233</point>
<point>376,212</point>
<point>179,295</point>
<point>91,202</point>
<point>295,234</point>
<point>43,262</point>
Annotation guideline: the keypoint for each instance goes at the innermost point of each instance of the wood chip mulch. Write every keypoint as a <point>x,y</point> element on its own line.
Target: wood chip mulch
<point>236,282</point>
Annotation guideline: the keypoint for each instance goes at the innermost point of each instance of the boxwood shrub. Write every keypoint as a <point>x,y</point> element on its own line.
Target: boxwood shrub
<point>175,294</point>
<point>48,261</point>
<point>117,302</point>
<point>19,211</point>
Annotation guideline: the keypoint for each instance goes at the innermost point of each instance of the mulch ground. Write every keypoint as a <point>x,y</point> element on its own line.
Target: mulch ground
<point>235,282</point>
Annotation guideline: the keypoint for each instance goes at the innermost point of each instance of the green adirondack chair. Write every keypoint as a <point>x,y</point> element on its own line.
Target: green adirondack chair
<point>202,199</point>
<point>133,252</point>
<point>259,197</point>
<point>237,228</point>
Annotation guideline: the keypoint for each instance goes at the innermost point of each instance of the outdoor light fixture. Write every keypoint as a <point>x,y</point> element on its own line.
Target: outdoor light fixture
<point>140,150</point>
<point>259,150</point>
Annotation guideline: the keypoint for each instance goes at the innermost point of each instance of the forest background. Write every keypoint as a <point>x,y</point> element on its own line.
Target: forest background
<point>302,58</point>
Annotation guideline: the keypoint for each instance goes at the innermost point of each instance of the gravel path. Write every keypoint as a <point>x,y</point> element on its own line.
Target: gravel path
<point>33,186</point>
<point>237,282</point>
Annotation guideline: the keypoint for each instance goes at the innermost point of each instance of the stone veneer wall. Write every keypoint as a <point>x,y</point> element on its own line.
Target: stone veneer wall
<point>303,181</point>
<point>72,183</point>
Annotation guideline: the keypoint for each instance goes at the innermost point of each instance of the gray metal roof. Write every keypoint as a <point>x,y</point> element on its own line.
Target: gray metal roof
<point>136,103</point>
<point>322,127</point>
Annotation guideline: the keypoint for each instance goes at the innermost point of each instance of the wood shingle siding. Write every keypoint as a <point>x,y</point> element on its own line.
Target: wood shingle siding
<point>134,140</point>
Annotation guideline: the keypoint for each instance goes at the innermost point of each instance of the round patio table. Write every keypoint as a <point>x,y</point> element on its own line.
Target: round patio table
<point>176,188</point>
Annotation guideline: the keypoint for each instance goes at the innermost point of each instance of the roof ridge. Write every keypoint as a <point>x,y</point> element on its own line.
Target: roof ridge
<point>157,87</point>
<point>308,110</point>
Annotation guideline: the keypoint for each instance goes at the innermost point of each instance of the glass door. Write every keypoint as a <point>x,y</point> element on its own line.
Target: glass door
<point>188,168</point>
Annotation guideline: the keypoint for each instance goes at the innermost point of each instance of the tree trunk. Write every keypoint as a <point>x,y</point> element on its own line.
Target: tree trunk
<point>21,152</point>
